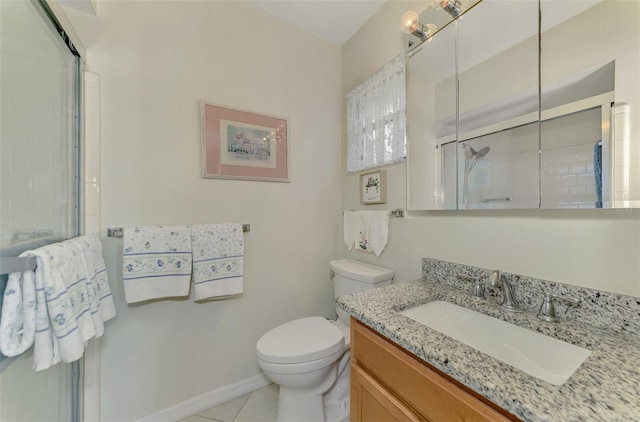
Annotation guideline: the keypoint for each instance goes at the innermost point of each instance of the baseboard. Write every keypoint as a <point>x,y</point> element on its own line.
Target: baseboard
<point>207,400</point>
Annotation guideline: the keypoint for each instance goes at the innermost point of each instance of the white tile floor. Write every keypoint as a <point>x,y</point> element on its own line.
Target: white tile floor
<point>259,406</point>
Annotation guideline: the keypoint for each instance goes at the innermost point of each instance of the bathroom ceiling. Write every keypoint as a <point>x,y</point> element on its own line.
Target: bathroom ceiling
<point>332,20</point>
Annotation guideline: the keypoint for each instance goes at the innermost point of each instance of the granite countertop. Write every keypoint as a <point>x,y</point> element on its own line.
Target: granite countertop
<point>606,387</point>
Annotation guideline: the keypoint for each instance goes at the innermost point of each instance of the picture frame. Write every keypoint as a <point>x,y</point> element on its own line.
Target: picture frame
<point>373,187</point>
<point>244,145</point>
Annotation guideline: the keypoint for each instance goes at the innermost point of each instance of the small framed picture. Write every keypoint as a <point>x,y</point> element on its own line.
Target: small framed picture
<point>373,187</point>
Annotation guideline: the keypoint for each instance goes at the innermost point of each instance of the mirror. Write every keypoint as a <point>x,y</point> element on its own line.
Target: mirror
<point>432,180</point>
<point>590,94</point>
<point>498,106</point>
<point>555,129</point>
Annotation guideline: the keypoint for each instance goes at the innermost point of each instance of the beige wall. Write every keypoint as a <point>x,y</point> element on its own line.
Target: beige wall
<point>157,60</point>
<point>598,249</point>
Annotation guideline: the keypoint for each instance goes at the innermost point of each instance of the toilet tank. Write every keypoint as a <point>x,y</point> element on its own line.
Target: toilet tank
<point>350,276</point>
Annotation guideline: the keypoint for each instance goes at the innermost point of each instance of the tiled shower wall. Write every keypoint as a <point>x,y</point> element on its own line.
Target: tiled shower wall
<point>36,161</point>
<point>507,176</point>
<point>567,172</point>
<point>92,225</point>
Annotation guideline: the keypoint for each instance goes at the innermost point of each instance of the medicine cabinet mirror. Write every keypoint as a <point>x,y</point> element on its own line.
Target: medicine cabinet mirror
<point>543,115</point>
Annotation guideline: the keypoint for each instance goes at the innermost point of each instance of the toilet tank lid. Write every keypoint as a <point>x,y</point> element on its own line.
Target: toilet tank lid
<point>360,271</point>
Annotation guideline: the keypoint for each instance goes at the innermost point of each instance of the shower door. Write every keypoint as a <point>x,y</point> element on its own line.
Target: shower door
<point>39,194</point>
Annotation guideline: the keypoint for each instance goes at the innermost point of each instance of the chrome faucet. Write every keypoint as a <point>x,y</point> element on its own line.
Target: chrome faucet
<point>547,311</point>
<point>477,292</point>
<point>509,302</point>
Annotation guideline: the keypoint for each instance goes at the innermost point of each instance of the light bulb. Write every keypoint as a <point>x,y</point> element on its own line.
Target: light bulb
<point>411,25</point>
<point>452,7</point>
<point>410,22</point>
<point>429,29</point>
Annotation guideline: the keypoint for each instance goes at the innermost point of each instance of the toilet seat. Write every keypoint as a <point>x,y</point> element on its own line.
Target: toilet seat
<point>300,341</point>
<point>346,333</point>
<point>299,368</point>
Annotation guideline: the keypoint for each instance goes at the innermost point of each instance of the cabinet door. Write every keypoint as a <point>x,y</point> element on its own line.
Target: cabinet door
<point>417,387</point>
<point>370,401</point>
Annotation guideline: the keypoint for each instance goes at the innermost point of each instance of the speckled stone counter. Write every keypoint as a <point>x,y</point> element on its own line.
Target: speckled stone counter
<point>606,387</point>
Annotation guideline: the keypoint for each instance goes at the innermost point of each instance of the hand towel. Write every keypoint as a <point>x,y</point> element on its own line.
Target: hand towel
<point>46,352</point>
<point>61,285</point>
<point>156,262</point>
<point>348,227</point>
<point>356,230</point>
<point>102,305</point>
<point>18,320</point>
<point>218,260</point>
<point>378,231</point>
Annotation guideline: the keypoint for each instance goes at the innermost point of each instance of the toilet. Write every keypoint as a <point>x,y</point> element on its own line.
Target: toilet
<point>309,357</point>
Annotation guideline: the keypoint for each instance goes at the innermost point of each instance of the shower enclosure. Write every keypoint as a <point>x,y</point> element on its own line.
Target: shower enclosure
<point>39,184</point>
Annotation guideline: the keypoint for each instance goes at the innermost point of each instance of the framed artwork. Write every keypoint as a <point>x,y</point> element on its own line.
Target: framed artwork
<point>243,145</point>
<point>373,187</point>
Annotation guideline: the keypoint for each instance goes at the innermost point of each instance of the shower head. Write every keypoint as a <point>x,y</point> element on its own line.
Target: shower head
<point>483,151</point>
<point>478,155</point>
<point>469,152</point>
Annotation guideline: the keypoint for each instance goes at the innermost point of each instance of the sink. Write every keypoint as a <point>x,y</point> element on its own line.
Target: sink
<point>541,356</point>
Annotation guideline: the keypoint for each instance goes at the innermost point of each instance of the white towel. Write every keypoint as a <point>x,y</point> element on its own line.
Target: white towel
<point>102,306</point>
<point>156,262</point>
<point>367,230</point>
<point>348,227</point>
<point>57,308</point>
<point>61,287</point>
<point>45,350</point>
<point>356,230</point>
<point>218,260</point>
<point>378,231</point>
<point>18,321</point>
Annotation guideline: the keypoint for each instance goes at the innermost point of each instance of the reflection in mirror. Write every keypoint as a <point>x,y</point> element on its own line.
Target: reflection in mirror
<point>590,91</point>
<point>498,160</point>
<point>431,104</point>
<point>437,15</point>
<point>546,113</point>
<point>431,96</point>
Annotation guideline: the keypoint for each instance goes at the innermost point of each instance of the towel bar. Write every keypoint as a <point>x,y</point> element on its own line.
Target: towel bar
<point>506,199</point>
<point>119,231</point>
<point>17,264</point>
<point>395,213</point>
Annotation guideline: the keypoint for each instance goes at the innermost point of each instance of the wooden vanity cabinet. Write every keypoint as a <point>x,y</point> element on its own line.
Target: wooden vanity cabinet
<point>390,384</point>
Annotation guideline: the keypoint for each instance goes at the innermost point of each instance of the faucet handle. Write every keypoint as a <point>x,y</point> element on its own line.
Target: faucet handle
<point>495,278</point>
<point>477,291</point>
<point>547,310</point>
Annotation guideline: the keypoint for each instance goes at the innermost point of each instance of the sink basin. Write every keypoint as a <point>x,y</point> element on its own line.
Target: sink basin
<point>543,357</point>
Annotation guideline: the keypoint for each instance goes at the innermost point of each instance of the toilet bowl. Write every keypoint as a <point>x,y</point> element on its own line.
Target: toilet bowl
<point>309,357</point>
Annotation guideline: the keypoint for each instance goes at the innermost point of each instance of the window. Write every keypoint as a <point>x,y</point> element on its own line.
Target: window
<point>376,113</point>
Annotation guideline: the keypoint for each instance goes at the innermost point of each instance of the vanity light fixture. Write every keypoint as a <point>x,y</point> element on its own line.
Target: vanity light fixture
<point>411,25</point>
<point>452,7</point>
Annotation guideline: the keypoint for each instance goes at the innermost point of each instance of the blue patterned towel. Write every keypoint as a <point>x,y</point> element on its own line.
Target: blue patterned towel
<point>63,306</point>
<point>218,260</point>
<point>156,262</point>
<point>102,305</point>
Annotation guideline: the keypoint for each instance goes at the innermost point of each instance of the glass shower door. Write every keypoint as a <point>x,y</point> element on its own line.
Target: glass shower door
<point>39,120</point>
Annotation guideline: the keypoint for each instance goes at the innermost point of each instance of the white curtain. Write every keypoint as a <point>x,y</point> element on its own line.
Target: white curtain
<point>376,113</point>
